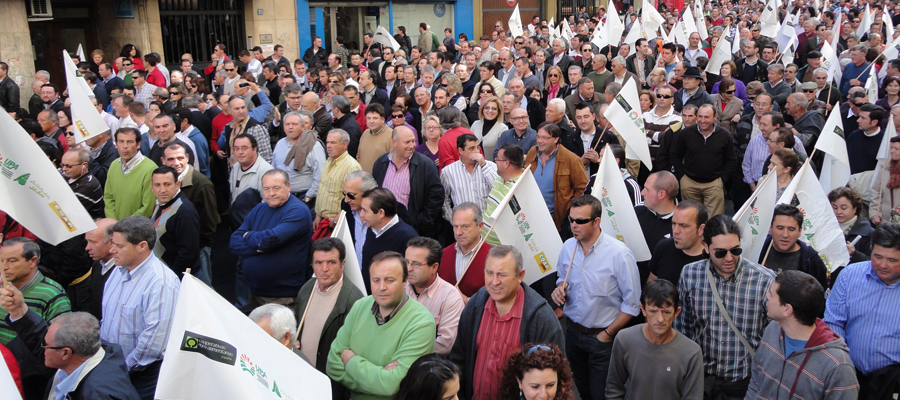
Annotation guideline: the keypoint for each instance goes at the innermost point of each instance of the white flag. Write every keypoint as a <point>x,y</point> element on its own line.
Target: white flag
<point>352,270</point>
<point>836,29</point>
<point>565,31</point>
<point>72,70</point>
<point>215,352</point>
<point>619,220</point>
<point>892,51</point>
<point>625,115</point>
<point>888,22</point>
<point>882,170</point>
<point>788,56</point>
<point>522,220</point>
<point>769,19</point>
<point>836,167</point>
<point>700,21</point>
<point>755,216</point>
<point>515,23</point>
<point>34,192</point>
<point>651,20</point>
<point>80,53</point>
<point>787,30</point>
<point>821,229</point>
<point>831,63</point>
<point>864,23</point>
<point>85,118</point>
<point>8,389</point>
<point>720,54</point>
<point>384,37</point>
<point>614,27</point>
<point>687,25</point>
<point>633,35</point>
<point>736,44</point>
<point>872,86</point>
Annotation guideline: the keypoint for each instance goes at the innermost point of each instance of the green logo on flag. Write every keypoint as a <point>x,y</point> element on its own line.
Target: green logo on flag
<point>210,348</point>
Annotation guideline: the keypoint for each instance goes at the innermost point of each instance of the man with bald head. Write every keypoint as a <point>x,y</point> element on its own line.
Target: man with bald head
<point>655,214</point>
<point>322,121</point>
<point>599,73</point>
<point>533,106</point>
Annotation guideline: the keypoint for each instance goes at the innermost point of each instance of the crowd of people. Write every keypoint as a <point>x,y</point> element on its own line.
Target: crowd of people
<point>416,146</point>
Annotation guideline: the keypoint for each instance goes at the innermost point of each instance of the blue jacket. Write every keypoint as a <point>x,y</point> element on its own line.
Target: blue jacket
<point>851,71</point>
<point>273,243</point>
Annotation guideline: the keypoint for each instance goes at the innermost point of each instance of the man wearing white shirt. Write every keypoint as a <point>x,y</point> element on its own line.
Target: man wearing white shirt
<point>693,51</point>
<point>301,156</point>
<point>253,65</point>
<point>468,179</point>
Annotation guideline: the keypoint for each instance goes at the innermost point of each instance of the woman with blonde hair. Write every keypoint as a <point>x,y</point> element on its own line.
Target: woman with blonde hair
<point>97,57</point>
<point>453,85</point>
<point>489,125</point>
<point>432,135</point>
<point>555,86</point>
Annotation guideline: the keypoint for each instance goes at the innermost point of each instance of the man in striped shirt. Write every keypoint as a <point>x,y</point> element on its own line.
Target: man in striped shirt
<point>510,162</point>
<point>338,165</point>
<point>138,302</point>
<point>468,179</point>
<point>27,295</point>
<point>742,286</point>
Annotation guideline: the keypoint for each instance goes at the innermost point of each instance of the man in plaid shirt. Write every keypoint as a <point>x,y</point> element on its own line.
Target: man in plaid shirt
<point>742,286</point>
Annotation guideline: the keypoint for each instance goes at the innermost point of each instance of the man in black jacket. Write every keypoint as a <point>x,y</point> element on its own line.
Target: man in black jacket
<point>574,141</point>
<point>9,90</point>
<point>646,61</point>
<point>703,157</point>
<point>321,119</point>
<point>426,194</point>
<point>344,119</point>
<point>691,92</point>
<point>788,251</point>
<point>102,373</point>
<point>750,68</point>
<point>177,223</point>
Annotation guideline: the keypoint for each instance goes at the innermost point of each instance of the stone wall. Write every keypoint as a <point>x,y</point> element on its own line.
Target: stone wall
<point>279,19</point>
<point>15,46</point>
<point>143,31</point>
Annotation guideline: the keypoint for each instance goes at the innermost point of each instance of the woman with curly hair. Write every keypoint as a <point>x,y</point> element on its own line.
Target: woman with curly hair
<point>538,371</point>
<point>430,378</point>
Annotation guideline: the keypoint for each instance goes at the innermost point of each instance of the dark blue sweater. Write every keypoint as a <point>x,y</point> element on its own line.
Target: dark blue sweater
<point>863,150</point>
<point>394,239</point>
<point>275,248</point>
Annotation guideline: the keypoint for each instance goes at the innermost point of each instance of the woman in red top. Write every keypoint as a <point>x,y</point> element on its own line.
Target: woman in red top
<point>156,76</point>
<point>131,52</point>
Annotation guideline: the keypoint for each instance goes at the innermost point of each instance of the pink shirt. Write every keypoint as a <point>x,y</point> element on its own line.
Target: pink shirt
<point>445,303</point>
<point>396,179</point>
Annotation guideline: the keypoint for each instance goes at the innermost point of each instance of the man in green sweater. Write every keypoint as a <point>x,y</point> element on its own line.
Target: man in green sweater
<point>128,190</point>
<point>382,335</point>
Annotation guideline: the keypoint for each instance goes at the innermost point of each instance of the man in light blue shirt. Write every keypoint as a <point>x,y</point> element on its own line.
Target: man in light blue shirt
<point>600,288</point>
<point>139,302</point>
<point>862,307</point>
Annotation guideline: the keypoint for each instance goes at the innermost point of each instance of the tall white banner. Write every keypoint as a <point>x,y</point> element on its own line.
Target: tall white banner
<point>755,217</point>
<point>215,352</point>
<point>720,54</point>
<point>787,31</point>
<point>882,170</point>
<point>888,23</point>
<point>85,118</point>
<point>864,23</point>
<point>619,220</point>
<point>523,220</point>
<point>633,35</point>
<point>685,27</point>
<point>352,270</point>
<point>700,21</point>
<point>651,20</point>
<point>34,192</point>
<point>80,53</point>
<point>821,229</point>
<point>384,37</point>
<point>872,86</point>
<point>831,63</point>
<point>625,115</point>
<point>612,30</point>
<point>836,166</point>
<point>515,23</point>
<point>769,20</point>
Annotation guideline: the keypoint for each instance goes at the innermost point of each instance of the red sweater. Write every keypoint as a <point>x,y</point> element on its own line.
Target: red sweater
<point>474,276</point>
<point>13,366</point>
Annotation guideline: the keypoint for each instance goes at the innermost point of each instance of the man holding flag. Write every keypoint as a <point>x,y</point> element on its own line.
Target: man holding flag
<point>594,318</point>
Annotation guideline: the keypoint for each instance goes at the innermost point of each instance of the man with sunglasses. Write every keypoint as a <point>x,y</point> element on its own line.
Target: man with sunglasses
<point>659,119</point>
<point>740,287</point>
<point>594,315</point>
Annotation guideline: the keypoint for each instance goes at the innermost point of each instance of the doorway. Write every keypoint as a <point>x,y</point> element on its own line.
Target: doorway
<point>50,38</point>
<point>351,23</point>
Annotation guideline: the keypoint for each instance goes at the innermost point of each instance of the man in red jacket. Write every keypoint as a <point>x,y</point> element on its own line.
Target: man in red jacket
<point>467,223</point>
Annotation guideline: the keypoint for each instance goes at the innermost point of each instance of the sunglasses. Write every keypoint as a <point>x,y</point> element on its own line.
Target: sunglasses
<point>487,91</point>
<point>859,104</point>
<point>229,69</point>
<point>580,221</point>
<point>173,93</point>
<point>730,91</point>
<point>532,349</point>
<point>735,251</point>
<point>397,116</point>
<point>554,75</point>
<point>351,196</point>
<point>125,65</point>
<point>809,91</point>
<point>70,133</point>
<point>664,96</point>
<point>330,81</point>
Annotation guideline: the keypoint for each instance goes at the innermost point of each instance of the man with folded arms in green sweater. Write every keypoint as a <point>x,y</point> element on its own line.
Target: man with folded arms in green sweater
<point>382,335</point>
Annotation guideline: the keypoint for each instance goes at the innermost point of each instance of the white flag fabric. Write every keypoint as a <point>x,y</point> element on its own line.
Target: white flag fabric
<point>8,389</point>
<point>882,170</point>
<point>888,23</point>
<point>515,22</point>
<point>85,118</point>
<point>769,19</point>
<point>688,24</point>
<point>34,192</point>
<point>633,35</point>
<point>720,54</point>
<point>613,28</point>
<point>788,56</point>
<point>80,53</point>
<point>864,23</point>
<point>625,116</point>
<point>821,229</point>
<point>836,29</point>
<point>651,20</point>
<point>755,216</point>
<point>72,70</point>
<point>619,220</point>
<point>384,37</point>
<point>831,63</point>
<point>215,352</point>
<point>523,220</point>
<point>352,270</point>
<point>892,51</point>
<point>787,31</point>
<point>836,166</point>
<point>700,21</point>
<point>872,87</point>
<point>566,31</point>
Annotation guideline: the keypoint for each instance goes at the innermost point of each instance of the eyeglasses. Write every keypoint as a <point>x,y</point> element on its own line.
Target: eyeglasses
<point>735,251</point>
<point>772,141</point>
<point>518,118</point>
<point>532,349</point>
<point>729,91</point>
<point>331,81</point>
<point>580,221</point>
<point>70,133</point>
<point>416,264</point>
<point>553,75</point>
<point>397,115</point>
<point>173,93</point>
<point>243,148</point>
<point>858,104</point>
<point>67,166</point>
<point>664,96</point>
<point>125,65</point>
<point>490,108</point>
<point>809,91</point>
<point>45,347</point>
<point>432,128</point>
<point>229,69</point>
<point>487,91</point>
<point>351,196</point>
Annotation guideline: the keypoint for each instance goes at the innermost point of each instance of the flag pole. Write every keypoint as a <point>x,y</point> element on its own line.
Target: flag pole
<point>491,229</point>
<point>799,174</point>
<point>864,71</point>
<point>754,195</point>
<point>305,311</point>
<point>571,261</point>
<point>600,138</point>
